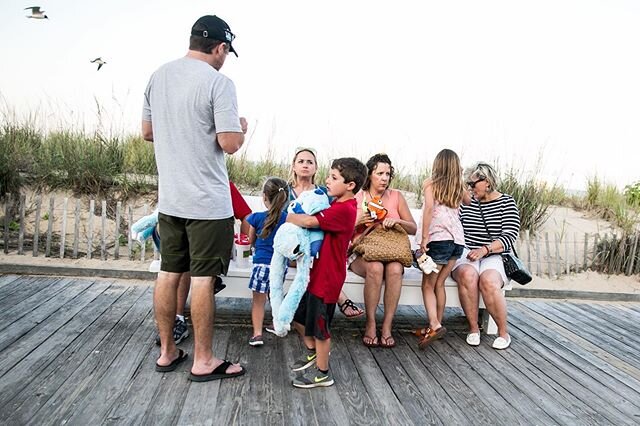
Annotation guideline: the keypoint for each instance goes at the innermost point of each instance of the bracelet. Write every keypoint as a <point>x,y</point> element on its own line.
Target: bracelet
<point>488,247</point>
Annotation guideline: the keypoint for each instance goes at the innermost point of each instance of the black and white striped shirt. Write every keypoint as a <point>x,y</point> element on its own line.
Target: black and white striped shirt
<point>503,221</point>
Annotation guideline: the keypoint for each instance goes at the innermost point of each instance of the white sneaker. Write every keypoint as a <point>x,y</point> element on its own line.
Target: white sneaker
<point>501,342</point>
<point>473,339</point>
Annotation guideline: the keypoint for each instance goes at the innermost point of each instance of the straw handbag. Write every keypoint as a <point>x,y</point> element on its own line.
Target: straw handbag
<point>378,244</point>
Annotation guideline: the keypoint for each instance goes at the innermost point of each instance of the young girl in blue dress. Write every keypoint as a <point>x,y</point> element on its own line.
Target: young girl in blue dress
<point>263,227</point>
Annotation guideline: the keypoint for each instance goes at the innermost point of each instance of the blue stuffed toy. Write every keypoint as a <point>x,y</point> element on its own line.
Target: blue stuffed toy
<point>292,242</point>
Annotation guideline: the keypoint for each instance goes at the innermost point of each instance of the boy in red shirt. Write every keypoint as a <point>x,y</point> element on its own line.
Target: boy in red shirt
<point>329,270</point>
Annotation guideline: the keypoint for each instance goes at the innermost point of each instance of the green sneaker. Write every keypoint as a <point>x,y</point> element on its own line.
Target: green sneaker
<point>304,361</point>
<point>313,378</point>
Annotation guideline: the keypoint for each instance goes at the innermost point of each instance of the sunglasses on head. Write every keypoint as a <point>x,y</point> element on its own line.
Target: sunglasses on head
<point>472,184</point>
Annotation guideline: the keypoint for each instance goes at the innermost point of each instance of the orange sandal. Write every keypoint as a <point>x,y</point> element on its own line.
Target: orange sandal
<point>430,336</point>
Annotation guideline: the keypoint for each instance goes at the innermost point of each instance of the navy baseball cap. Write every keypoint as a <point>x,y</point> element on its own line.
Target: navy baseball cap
<point>210,26</point>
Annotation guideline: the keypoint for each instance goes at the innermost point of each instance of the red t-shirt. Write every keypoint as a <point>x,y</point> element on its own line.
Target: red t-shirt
<point>330,268</point>
<point>240,207</point>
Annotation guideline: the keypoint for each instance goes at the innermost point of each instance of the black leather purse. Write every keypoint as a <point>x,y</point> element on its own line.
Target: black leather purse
<point>513,266</point>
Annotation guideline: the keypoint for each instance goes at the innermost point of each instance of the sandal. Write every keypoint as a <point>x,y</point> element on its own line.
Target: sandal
<point>370,342</point>
<point>387,342</point>
<point>431,335</point>
<point>355,310</point>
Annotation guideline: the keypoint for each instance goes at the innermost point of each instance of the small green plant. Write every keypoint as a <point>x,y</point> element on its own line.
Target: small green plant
<point>14,226</point>
<point>632,194</point>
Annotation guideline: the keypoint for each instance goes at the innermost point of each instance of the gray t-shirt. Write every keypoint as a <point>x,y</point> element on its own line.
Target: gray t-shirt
<point>187,102</point>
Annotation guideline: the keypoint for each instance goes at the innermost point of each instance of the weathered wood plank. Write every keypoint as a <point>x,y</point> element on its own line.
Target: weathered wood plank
<point>23,203</point>
<point>604,380</point>
<point>88,394</point>
<point>36,229</point>
<point>387,410</point>
<point>528,363</point>
<point>47,250</point>
<point>562,374</point>
<point>29,333</point>
<point>44,385</point>
<point>7,219</point>
<point>116,250</point>
<point>24,305</point>
<point>63,227</point>
<point>8,279</point>
<point>491,368</point>
<point>103,233</point>
<point>14,294</point>
<point>613,346</point>
<point>484,392</point>
<point>76,229</point>
<point>92,205</point>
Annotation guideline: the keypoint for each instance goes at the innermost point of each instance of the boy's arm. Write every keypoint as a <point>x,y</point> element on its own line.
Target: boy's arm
<point>303,220</point>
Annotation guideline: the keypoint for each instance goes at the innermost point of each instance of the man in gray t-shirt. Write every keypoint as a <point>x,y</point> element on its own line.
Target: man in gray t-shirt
<point>191,115</point>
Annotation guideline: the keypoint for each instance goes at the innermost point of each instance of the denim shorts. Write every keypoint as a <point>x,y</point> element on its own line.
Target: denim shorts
<point>443,251</point>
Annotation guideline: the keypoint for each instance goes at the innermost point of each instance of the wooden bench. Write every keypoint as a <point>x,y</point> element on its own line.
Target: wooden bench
<point>237,280</point>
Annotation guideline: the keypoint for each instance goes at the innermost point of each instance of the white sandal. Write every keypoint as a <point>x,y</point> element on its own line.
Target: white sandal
<point>501,342</point>
<point>473,339</point>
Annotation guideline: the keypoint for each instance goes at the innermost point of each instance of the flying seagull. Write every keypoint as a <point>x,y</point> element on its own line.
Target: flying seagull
<point>36,13</point>
<point>98,61</point>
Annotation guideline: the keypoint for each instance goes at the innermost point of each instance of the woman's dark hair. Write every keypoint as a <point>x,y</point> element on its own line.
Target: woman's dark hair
<point>275,189</point>
<point>372,163</point>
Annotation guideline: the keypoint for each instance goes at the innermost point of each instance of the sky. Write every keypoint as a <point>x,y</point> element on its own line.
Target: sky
<point>550,88</point>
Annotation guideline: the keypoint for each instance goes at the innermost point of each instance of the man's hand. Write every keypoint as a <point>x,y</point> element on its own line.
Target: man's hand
<point>244,125</point>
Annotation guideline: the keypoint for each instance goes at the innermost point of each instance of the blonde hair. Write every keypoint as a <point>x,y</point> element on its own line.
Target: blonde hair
<point>293,178</point>
<point>484,171</point>
<point>446,178</point>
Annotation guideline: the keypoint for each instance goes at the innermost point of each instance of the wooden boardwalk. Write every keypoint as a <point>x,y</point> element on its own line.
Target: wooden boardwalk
<point>80,351</point>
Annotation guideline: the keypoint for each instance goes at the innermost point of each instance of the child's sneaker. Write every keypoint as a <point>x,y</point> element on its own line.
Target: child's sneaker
<point>304,361</point>
<point>256,340</point>
<point>313,378</point>
<point>180,332</point>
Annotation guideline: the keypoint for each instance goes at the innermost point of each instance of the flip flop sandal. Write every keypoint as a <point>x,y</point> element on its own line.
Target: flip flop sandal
<point>384,342</point>
<point>348,304</point>
<point>431,336</point>
<point>220,372</point>
<point>370,342</point>
<point>182,355</point>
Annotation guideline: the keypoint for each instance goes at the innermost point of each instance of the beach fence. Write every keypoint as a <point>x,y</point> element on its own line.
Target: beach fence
<point>72,228</point>
<point>87,228</point>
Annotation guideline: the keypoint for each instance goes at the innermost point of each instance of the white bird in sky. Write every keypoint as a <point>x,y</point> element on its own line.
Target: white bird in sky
<point>36,13</point>
<point>98,61</point>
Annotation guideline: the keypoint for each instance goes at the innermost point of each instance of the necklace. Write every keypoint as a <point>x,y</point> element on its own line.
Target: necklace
<point>371,196</point>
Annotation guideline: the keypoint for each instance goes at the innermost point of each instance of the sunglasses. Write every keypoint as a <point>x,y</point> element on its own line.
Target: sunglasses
<point>472,184</point>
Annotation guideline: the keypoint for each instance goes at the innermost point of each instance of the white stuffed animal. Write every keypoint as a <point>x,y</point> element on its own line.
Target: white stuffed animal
<point>292,242</point>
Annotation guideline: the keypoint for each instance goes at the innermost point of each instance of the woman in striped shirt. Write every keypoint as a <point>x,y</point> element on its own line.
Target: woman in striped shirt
<point>491,224</point>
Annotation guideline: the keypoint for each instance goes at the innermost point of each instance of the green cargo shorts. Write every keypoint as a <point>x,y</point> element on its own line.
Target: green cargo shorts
<point>200,246</point>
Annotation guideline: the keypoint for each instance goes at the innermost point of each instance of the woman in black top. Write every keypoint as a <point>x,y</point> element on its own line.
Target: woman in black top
<point>491,225</point>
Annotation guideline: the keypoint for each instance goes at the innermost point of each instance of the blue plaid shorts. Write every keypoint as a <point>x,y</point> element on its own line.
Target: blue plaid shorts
<point>259,281</point>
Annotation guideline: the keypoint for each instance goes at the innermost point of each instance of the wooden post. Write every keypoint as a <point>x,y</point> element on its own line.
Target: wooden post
<point>558,262</point>
<point>538,258</point>
<point>548,251</point>
<point>47,250</point>
<point>92,207</point>
<point>116,250</point>
<point>528,241</point>
<point>103,244</point>
<point>145,212</point>
<point>7,211</point>
<point>76,230</point>
<point>586,248</point>
<point>634,247</point>
<point>36,231</point>
<point>566,256</point>
<point>129,240</point>
<point>575,252</point>
<point>23,203</point>
<point>63,230</point>
<point>612,252</point>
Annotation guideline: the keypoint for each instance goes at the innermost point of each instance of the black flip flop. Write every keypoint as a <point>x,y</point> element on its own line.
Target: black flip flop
<point>218,373</point>
<point>182,355</point>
